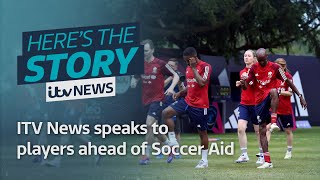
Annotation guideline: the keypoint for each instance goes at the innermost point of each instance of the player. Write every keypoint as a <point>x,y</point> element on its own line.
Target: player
<point>169,99</point>
<point>263,77</point>
<point>153,92</point>
<point>285,109</point>
<point>196,103</point>
<point>173,62</point>
<point>247,111</point>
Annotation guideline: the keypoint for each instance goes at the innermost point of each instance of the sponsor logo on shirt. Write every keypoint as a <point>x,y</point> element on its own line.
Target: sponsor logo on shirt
<point>191,80</point>
<point>154,70</point>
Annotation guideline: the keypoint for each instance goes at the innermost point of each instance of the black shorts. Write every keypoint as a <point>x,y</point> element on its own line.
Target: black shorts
<point>286,121</point>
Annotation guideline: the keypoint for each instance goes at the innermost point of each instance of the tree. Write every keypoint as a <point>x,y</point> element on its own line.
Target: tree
<point>229,26</point>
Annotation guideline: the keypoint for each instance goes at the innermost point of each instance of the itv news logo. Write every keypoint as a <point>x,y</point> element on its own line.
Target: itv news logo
<point>80,89</point>
<point>80,63</point>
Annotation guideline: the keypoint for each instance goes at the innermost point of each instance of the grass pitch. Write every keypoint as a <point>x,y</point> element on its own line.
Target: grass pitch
<point>304,164</point>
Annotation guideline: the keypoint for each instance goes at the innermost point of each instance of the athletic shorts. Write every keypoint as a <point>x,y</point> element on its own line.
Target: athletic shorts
<point>286,121</point>
<point>168,101</point>
<point>197,115</point>
<point>154,109</point>
<point>263,111</point>
<point>248,113</point>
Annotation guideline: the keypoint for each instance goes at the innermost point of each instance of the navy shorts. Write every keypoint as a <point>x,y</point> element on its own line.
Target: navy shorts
<point>263,111</point>
<point>286,121</point>
<point>248,113</point>
<point>168,102</point>
<point>197,115</point>
<point>177,126</point>
<point>154,109</point>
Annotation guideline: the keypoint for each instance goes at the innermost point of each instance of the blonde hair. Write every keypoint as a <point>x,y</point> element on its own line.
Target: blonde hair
<point>254,55</point>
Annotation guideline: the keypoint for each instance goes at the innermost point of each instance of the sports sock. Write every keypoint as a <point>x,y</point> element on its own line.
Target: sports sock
<point>244,151</point>
<point>261,151</point>
<point>204,153</point>
<point>267,157</point>
<point>172,136</point>
<point>289,148</point>
<point>273,118</point>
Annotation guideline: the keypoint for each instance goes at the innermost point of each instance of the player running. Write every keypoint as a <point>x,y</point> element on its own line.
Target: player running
<point>196,103</point>
<point>153,94</point>
<point>263,77</point>
<point>285,108</point>
<point>173,62</point>
<point>247,111</point>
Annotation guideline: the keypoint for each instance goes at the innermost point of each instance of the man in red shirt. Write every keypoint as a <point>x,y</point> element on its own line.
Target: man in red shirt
<point>153,94</point>
<point>263,77</point>
<point>196,103</point>
<point>285,108</point>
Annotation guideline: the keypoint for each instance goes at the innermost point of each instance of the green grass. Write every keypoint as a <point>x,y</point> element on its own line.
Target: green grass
<point>304,165</point>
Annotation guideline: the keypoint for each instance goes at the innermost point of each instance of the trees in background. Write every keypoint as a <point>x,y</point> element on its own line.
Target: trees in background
<point>225,27</point>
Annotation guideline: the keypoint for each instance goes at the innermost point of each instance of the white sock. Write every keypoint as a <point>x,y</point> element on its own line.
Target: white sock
<point>244,151</point>
<point>289,148</point>
<point>204,153</point>
<point>172,136</point>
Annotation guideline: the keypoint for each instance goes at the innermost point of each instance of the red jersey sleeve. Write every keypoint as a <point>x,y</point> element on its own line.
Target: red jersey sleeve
<point>206,69</point>
<point>280,74</point>
<point>166,69</point>
<point>251,71</point>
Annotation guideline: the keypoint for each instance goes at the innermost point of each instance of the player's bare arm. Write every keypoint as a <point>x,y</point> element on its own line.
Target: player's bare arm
<point>175,81</point>
<point>294,89</point>
<point>286,93</point>
<point>134,81</point>
<point>243,77</point>
<point>167,81</point>
<point>241,82</point>
<point>180,93</point>
<point>248,79</point>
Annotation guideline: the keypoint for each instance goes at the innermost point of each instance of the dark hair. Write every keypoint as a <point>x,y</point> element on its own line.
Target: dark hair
<point>175,60</point>
<point>148,41</point>
<point>190,51</point>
